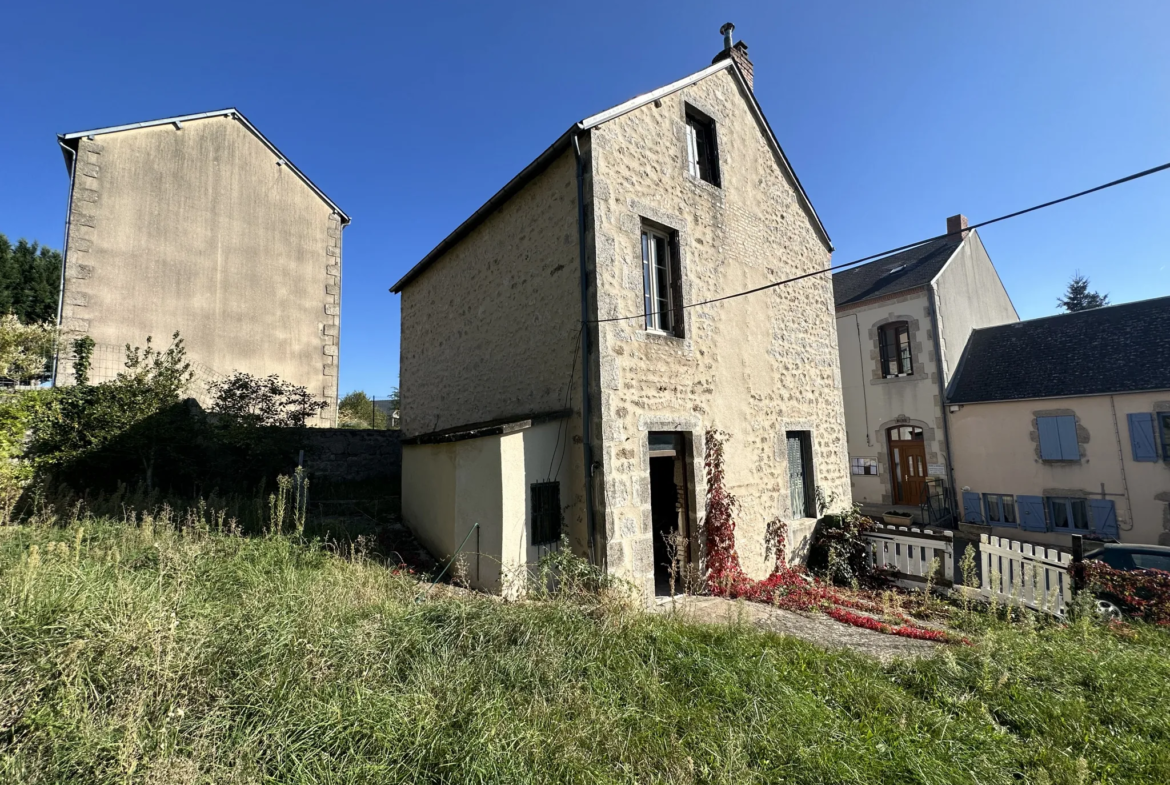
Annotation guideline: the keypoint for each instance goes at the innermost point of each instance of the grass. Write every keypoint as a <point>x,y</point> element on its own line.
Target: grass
<point>141,653</point>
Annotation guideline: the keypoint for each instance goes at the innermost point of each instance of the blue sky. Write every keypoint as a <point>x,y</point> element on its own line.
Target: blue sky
<point>894,114</point>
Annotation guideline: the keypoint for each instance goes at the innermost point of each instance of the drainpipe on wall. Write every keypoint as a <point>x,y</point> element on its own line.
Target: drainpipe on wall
<point>942,400</point>
<point>586,444</point>
<point>64,250</point>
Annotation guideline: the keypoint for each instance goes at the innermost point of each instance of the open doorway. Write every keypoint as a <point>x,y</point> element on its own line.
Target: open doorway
<point>670,511</point>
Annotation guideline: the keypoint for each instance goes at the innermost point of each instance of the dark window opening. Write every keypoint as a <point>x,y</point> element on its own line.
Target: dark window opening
<point>1069,514</point>
<point>1163,420</point>
<point>669,512</point>
<point>894,343</point>
<point>801,480</point>
<point>1001,509</point>
<point>661,282</point>
<point>702,157</point>
<point>546,513</point>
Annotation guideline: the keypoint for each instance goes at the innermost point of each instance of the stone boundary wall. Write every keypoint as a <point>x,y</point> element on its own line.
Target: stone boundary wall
<point>350,454</point>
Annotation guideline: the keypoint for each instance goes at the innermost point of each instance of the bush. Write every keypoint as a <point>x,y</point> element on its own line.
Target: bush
<point>838,550</point>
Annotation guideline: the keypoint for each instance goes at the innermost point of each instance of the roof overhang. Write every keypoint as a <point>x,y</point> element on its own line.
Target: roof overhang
<point>564,143</point>
<point>69,142</point>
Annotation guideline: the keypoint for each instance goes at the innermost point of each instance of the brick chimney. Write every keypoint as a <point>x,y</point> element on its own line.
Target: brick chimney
<point>957,223</point>
<point>738,54</point>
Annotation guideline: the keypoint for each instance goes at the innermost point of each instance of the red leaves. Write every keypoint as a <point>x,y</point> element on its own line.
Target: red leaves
<point>1145,592</point>
<point>787,588</point>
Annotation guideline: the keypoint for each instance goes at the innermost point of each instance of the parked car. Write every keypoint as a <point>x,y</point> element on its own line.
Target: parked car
<point>1126,558</point>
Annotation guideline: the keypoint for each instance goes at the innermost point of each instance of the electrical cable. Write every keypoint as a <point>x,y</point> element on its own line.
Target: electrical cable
<point>871,257</point>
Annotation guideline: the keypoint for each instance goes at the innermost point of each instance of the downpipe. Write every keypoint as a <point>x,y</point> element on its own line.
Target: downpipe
<point>586,413</point>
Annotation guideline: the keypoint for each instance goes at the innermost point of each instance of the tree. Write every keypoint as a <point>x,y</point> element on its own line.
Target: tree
<point>358,410</point>
<point>247,401</point>
<point>30,279</point>
<point>1078,297</point>
<point>25,349</point>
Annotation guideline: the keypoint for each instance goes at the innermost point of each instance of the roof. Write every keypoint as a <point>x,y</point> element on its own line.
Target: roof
<point>1115,349</point>
<point>565,142</point>
<point>488,428</point>
<point>897,273</point>
<point>70,141</point>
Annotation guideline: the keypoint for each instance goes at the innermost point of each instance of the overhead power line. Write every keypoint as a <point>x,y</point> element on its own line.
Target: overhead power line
<point>871,257</point>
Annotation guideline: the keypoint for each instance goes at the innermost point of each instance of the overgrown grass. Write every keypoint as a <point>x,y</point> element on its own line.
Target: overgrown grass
<point>153,655</point>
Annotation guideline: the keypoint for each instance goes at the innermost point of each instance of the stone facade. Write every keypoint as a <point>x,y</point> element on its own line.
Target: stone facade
<point>199,226</point>
<point>753,367</point>
<point>491,328</point>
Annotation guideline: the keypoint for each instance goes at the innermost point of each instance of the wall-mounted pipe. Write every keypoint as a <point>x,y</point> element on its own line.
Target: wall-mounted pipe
<point>64,256</point>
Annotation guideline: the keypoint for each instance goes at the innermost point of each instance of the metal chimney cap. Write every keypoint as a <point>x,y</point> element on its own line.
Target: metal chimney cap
<point>726,31</point>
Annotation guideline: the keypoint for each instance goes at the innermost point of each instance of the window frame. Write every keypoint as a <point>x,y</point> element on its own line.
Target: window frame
<point>1069,503</point>
<point>547,524</point>
<point>697,122</point>
<point>903,361</point>
<point>1003,502</point>
<point>670,320</point>
<point>808,473</point>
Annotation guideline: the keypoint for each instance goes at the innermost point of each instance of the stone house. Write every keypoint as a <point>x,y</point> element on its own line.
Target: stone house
<point>1061,426</point>
<point>199,224</point>
<point>517,418</point>
<point>902,323</point>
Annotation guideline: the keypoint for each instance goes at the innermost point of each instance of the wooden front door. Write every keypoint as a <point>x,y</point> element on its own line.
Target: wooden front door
<point>907,464</point>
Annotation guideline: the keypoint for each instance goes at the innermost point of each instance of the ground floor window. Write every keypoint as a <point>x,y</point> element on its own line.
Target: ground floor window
<point>546,513</point>
<point>1068,514</point>
<point>1001,509</point>
<point>801,482</point>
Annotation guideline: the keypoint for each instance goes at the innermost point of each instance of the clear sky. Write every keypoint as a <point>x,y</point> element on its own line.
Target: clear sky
<point>894,114</point>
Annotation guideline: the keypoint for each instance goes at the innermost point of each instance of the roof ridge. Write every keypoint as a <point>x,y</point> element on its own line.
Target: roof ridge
<point>1082,312</point>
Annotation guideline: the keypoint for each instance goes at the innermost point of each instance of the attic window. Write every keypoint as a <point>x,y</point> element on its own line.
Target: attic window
<point>702,155</point>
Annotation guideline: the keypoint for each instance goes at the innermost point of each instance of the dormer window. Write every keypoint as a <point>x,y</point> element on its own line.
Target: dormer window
<point>702,154</point>
<point>894,343</point>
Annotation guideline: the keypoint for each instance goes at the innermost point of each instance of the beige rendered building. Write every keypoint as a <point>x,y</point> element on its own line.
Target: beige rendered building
<point>199,224</point>
<point>902,323</point>
<point>1061,426</point>
<point>516,418</point>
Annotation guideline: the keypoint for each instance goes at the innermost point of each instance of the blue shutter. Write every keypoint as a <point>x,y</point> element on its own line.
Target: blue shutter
<point>1067,427</point>
<point>1141,436</point>
<point>1104,517</point>
<point>1049,438</point>
<point>972,507</point>
<point>1031,510</point>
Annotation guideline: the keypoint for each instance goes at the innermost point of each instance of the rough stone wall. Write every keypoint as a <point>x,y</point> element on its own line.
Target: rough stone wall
<point>205,231</point>
<point>351,454</point>
<point>754,367</point>
<point>490,330</point>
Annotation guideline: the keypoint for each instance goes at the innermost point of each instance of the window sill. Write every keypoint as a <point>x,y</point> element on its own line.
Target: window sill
<point>658,336</point>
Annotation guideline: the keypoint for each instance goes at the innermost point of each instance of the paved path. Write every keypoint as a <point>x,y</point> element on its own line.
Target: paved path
<point>814,627</point>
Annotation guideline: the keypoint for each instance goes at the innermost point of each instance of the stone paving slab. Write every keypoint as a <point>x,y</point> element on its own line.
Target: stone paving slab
<point>813,627</point>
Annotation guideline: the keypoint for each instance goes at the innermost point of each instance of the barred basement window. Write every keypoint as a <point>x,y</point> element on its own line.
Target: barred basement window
<point>546,513</point>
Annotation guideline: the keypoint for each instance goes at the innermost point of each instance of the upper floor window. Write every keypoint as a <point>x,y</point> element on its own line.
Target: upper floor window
<point>702,156</point>
<point>1058,438</point>
<point>894,343</point>
<point>660,279</point>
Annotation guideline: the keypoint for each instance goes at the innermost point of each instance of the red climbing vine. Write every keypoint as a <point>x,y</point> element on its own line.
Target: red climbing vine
<point>790,588</point>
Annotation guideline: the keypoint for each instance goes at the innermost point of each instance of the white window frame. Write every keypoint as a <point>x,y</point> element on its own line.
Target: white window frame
<point>658,321</point>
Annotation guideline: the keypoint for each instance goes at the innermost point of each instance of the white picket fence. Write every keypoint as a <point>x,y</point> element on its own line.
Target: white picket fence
<point>1023,573</point>
<point>909,551</point>
<point>1012,572</point>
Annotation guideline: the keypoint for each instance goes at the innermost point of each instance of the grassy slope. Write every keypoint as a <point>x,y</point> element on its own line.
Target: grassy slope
<point>205,658</point>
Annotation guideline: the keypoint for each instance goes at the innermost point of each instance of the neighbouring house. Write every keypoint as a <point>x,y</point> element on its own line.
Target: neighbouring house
<point>199,224</point>
<point>1061,426</point>
<point>516,418</point>
<point>902,323</point>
